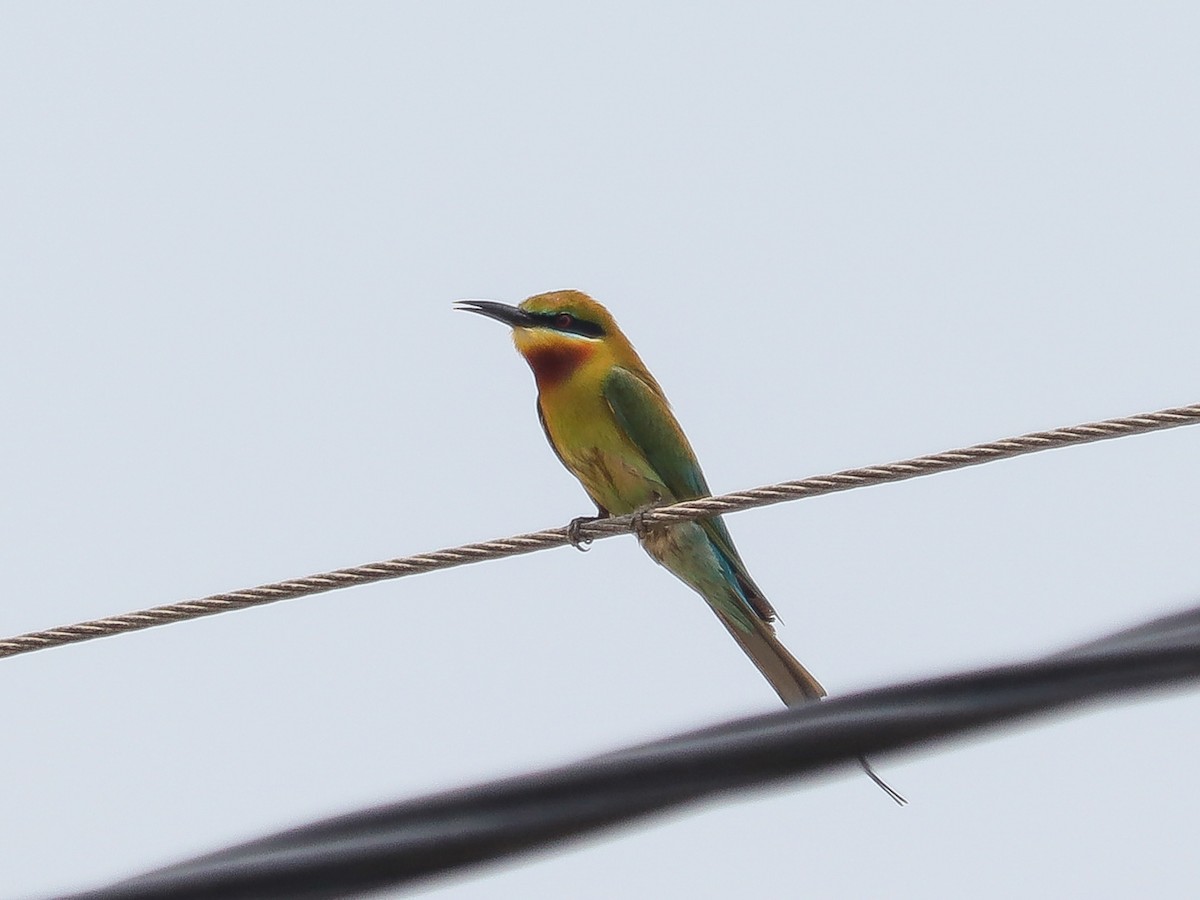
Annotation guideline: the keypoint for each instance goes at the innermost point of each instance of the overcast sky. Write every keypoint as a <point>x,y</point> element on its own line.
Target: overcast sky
<point>839,234</point>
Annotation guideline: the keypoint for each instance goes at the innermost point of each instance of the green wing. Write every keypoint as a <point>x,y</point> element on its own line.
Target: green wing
<point>650,424</point>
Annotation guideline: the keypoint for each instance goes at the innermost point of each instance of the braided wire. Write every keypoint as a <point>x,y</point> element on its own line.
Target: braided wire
<point>515,545</point>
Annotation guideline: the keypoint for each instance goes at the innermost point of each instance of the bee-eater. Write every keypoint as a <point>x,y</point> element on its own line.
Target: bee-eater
<point>610,424</point>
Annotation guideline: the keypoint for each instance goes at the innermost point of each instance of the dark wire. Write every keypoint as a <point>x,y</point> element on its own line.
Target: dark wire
<point>414,840</point>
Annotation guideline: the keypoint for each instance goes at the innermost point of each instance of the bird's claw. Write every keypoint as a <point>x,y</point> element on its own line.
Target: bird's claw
<point>577,540</point>
<point>637,522</point>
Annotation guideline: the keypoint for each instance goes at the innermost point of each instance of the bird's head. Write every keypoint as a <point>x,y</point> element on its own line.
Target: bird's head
<point>560,333</point>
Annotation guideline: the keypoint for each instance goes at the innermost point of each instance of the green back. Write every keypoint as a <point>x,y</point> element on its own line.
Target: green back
<point>648,421</point>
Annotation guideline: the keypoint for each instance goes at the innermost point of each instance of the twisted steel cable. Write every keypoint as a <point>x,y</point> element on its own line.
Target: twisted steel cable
<point>555,537</point>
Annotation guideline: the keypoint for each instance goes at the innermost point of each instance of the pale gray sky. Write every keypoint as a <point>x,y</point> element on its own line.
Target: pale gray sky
<point>230,235</point>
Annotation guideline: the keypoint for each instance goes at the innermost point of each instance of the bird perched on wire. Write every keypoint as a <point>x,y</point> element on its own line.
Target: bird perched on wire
<point>610,424</point>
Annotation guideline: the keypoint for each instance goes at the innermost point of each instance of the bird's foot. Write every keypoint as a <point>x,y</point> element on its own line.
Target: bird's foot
<point>638,524</point>
<point>577,540</point>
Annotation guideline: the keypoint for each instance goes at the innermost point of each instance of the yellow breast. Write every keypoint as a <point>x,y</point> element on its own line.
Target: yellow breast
<point>581,425</point>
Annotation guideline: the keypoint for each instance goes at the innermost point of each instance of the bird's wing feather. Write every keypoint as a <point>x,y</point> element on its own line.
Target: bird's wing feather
<point>648,421</point>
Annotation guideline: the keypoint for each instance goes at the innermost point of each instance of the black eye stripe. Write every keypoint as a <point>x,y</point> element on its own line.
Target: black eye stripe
<point>573,326</point>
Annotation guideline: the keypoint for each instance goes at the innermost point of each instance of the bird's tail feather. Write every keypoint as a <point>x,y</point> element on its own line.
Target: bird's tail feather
<point>794,683</point>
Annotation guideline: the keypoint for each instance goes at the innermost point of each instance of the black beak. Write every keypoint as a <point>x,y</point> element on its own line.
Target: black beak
<point>502,312</point>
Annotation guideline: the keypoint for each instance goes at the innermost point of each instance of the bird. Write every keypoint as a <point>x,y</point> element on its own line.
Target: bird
<point>610,424</point>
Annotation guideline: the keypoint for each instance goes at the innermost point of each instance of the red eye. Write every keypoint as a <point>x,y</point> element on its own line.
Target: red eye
<point>564,320</point>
